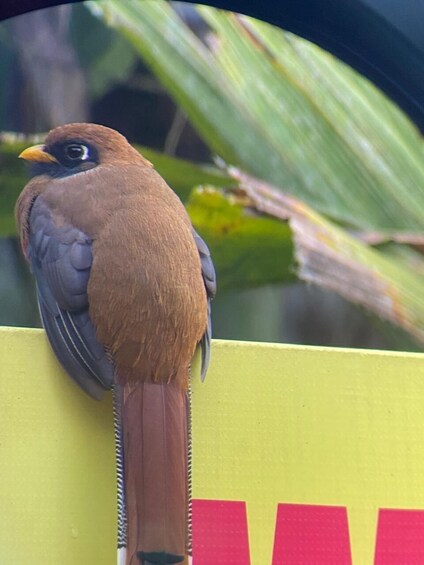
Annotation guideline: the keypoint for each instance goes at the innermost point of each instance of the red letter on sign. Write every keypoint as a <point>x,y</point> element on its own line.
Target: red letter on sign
<point>400,537</point>
<point>220,533</point>
<point>308,534</point>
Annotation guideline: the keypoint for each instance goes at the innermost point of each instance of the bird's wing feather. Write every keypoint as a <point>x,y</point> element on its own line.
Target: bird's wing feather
<point>61,258</point>
<point>209,278</point>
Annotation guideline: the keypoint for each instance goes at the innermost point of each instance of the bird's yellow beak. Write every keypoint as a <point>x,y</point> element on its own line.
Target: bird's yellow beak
<point>37,154</point>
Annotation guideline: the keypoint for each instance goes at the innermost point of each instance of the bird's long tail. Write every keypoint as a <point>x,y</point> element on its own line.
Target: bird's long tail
<point>155,421</point>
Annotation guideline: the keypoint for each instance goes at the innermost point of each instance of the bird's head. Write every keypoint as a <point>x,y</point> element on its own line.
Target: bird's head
<point>74,148</point>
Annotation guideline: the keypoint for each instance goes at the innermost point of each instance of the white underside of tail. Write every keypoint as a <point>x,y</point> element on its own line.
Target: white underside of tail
<point>122,555</point>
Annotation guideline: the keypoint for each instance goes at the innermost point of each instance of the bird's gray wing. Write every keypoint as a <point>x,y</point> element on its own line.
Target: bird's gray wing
<point>60,258</point>
<point>209,278</point>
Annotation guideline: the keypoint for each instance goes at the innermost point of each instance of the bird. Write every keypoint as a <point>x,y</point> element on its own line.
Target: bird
<point>124,286</point>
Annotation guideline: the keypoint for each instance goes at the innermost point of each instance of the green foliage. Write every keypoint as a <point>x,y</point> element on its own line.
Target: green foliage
<point>12,180</point>
<point>104,55</point>
<point>248,250</point>
<point>183,175</point>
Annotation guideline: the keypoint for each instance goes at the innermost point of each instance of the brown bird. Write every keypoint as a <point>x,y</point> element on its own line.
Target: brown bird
<point>124,285</point>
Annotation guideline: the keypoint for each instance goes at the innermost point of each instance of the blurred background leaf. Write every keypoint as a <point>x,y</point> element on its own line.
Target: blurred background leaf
<point>105,58</point>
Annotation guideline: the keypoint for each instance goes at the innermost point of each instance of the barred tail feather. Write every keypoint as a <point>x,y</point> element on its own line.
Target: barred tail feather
<point>122,515</point>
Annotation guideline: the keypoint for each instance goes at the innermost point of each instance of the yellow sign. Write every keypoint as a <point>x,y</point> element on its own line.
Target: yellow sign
<point>301,455</point>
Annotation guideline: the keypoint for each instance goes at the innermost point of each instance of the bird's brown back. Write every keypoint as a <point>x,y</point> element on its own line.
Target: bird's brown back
<point>146,293</point>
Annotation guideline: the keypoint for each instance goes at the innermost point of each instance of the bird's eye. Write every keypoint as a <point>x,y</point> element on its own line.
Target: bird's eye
<point>76,152</point>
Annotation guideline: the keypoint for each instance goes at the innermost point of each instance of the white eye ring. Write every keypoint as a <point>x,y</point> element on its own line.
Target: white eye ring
<point>82,153</point>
